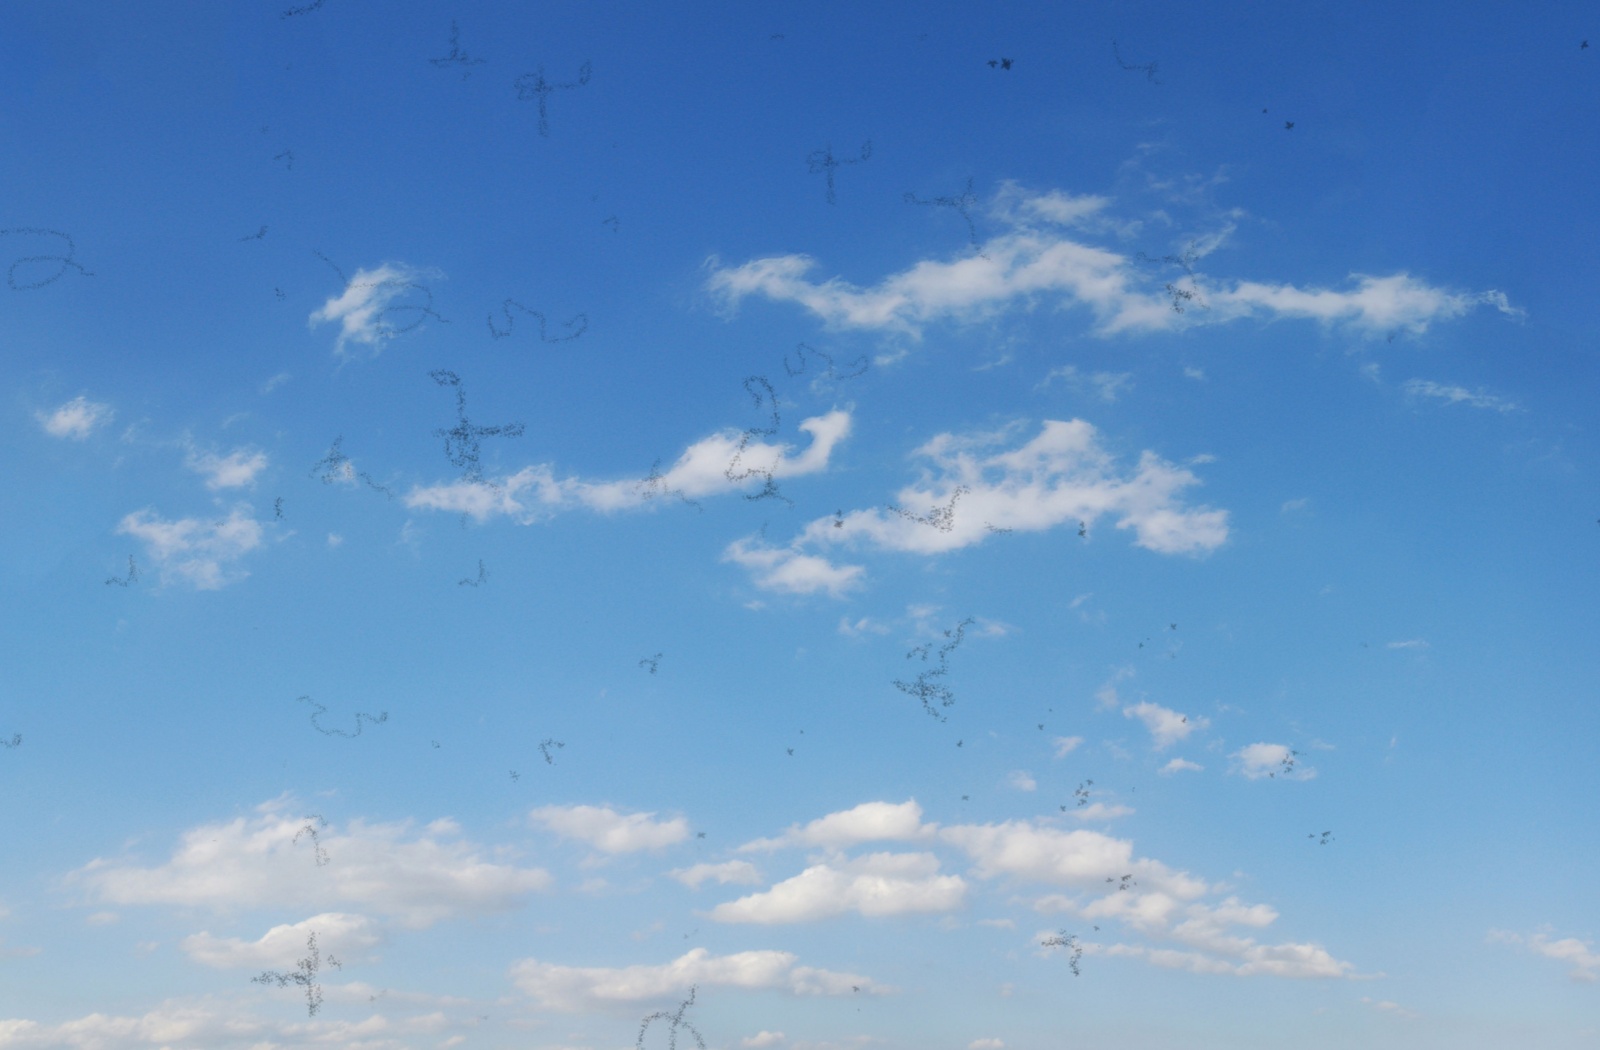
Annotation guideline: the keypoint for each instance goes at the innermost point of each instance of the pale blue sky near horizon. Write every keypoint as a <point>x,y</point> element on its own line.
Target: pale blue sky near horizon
<point>581,562</point>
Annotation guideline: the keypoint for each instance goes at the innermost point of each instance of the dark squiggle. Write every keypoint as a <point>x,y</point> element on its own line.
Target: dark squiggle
<point>65,260</point>
<point>770,489</point>
<point>546,745</point>
<point>338,468</point>
<point>675,1022</point>
<point>305,974</point>
<point>383,716</point>
<point>926,688</point>
<point>132,577</point>
<point>463,442</point>
<point>967,200</point>
<point>581,320</point>
<point>823,162</point>
<point>318,853</point>
<point>535,86</point>
<point>801,350</point>
<point>1069,941</point>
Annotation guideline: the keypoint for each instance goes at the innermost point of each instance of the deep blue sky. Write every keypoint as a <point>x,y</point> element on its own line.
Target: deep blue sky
<point>1111,490</point>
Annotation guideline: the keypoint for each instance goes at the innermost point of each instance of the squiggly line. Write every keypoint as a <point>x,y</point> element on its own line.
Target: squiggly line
<point>383,716</point>
<point>65,260</point>
<point>581,320</point>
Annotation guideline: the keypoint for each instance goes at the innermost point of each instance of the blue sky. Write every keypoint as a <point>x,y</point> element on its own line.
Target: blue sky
<point>903,549</point>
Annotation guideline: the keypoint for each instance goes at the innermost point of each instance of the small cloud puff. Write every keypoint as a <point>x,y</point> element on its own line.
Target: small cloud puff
<point>1166,726</point>
<point>1022,781</point>
<point>1178,765</point>
<point>76,419</point>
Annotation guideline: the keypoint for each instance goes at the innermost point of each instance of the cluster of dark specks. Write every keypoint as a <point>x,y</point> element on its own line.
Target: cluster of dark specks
<point>929,685</point>
<point>304,975</point>
<point>321,709</point>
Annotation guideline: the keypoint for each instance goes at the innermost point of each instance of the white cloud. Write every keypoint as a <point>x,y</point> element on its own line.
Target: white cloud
<point>1289,506</point>
<point>573,988</point>
<point>970,488</point>
<point>865,625</point>
<point>1579,955</point>
<point>703,469</point>
<point>339,934</point>
<point>275,382</point>
<point>1178,765</point>
<point>1037,260</point>
<point>876,885</point>
<point>739,872</point>
<point>1456,395</point>
<point>1065,745</point>
<point>1022,780</point>
<point>986,1044</point>
<point>1410,643</point>
<point>790,571</point>
<point>761,1039</point>
<point>868,822</point>
<point>1271,760</point>
<point>1387,1006</point>
<point>369,306</point>
<point>1166,726</point>
<point>197,552</point>
<point>609,831</point>
<point>76,419</point>
<point>417,878</point>
<point>238,469</point>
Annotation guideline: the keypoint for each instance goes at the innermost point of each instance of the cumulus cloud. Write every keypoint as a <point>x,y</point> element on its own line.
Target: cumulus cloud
<point>1456,395</point>
<point>76,419</point>
<point>879,884</point>
<point>200,553</point>
<point>534,493</point>
<point>761,1039</point>
<point>338,933</point>
<point>417,877</point>
<point>1093,875</point>
<point>1166,726</point>
<point>1178,765</point>
<point>574,988</point>
<point>1580,956</point>
<point>609,831</point>
<point>972,486</point>
<point>1022,780</point>
<point>1275,761</point>
<point>377,305</point>
<point>868,822</point>
<point>1041,258</point>
<point>740,872</point>
<point>238,469</point>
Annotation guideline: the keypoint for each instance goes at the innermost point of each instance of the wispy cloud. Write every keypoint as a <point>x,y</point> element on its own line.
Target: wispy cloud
<point>1457,395</point>
<point>76,419</point>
